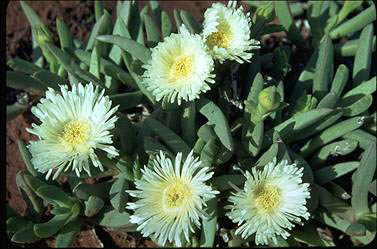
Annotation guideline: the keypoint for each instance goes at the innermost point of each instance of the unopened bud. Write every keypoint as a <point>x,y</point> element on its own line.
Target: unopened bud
<point>269,100</point>
<point>265,12</point>
<point>42,36</point>
<point>305,103</point>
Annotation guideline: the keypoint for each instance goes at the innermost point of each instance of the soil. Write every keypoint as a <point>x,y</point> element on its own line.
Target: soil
<point>78,15</point>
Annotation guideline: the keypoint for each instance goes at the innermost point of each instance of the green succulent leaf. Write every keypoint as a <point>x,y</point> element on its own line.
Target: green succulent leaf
<point>332,133</point>
<point>363,57</point>
<point>324,68</point>
<point>153,33</point>
<point>65,36</point>
<point>216,117</point>
<point>45,230</point>
<point>363,137</point>
<point>118,195</point>
<point>188,129</point>
<point>208,155</point>
<point>134,48</point>
<point>284,15</point>
<point>93,205</point>
<point>192,25</point>
<point>84,190</point>
<point>208,234</point>
<point>17,223</point>
<point>19,80</point>
<point>67,234</point>
<point>355,23</point>
<point>26,235</point>
<point>110,217</point>
<point>363,177</point>
<point>295,124</point>
<point>338,148</point>
<point>102,27</point>
<point>55,195</point>
<point>166,24</point>
<point>329,173</point>
<point>222,182</point>
<point>171,139</point>
<point>349,48</point>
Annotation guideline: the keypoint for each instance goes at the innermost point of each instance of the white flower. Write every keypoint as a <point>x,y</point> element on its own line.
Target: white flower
<point>171,198</point>
<point>180,68</point>
<point>271,200</point>
<point>227,32</point>
<point>73,124</point>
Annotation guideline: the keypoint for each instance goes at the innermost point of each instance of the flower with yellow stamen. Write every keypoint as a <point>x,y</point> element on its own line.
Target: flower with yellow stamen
<point>73,125</point>
<point>272,200</point>
<point>180,68</point>
<point>227,32</point>
<point>171,198</point>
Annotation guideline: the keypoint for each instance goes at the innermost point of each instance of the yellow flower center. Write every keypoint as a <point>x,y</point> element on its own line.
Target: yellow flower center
<point>221,38</point>
<point>267,198</point>
<point>75,133</point>
<point>181,68</point>
<point>176,195</point>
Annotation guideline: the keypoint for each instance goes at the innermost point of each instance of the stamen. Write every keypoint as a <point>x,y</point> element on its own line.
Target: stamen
<point>267,198</point>
<point>222,37</point>
<point>181,67</point>
<point>75,133</point>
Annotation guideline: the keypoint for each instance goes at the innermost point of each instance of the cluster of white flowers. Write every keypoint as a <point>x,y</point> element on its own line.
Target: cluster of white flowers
<point>171,196</point>
<point>182,65</point>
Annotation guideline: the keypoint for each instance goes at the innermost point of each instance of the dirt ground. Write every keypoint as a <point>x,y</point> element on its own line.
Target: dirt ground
<point>76,14</point>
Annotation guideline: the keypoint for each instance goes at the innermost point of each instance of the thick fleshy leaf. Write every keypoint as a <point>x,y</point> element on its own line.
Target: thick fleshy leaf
<point>284,14</point>
<point>118,196</point>
<point>110,217</point>
<point>25,236</point>
<point>93,205</point>
<point>355,23</point>
<point>222,182</point>
<point>17,223</point>
<point>331,133</point>
<point>102,27</point>
<point>324,68</point>
<point>363,177</point>
<point>208,155</point>
<point>188,129</point>
<point>67,234</point>
<point>166,25</point>
<point>153,34</point>
<point>335,205</point>
<point>171,139</point>
<point>22,81</point>
<point>134,48</point>
<point>216,117</point>
<point>45,230</point>
<point>363,57</point>
<point>207,238</point>
<point>84,190</point>
<point>191,24</point>
<point>55,196</point>
<point>330,173</point>
<point>295,124</point>
<point>65,36</point>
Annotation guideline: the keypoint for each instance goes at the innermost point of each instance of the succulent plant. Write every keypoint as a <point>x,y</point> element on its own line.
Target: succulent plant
<point>323,120</point>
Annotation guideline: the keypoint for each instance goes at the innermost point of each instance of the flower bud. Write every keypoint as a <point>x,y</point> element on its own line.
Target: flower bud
<point>269,100</point>
<point>42,36</point>
<point>305,103</point>
<point>265,12</point>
